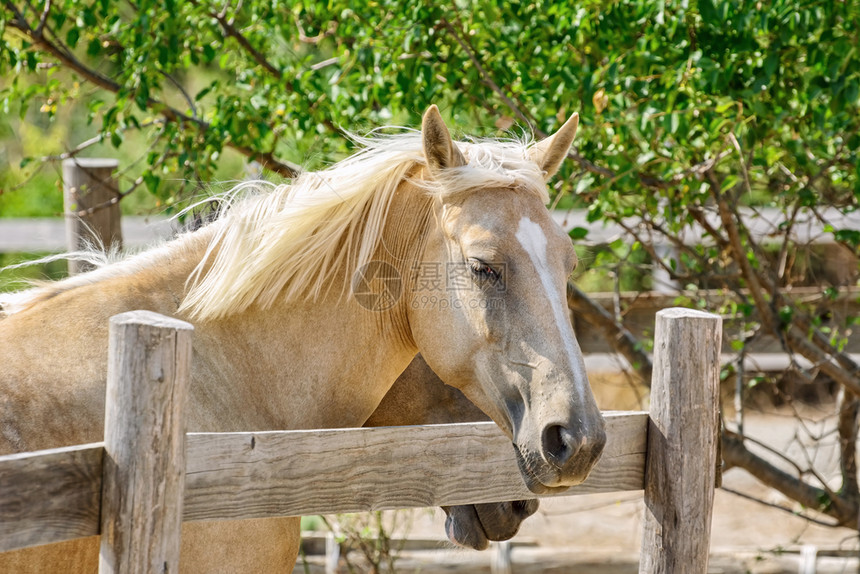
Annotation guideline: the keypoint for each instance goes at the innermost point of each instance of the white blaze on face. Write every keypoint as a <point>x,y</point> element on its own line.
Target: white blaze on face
<point>532,238</point>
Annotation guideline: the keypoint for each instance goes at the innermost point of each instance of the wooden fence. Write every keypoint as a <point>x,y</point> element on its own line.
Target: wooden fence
<point>65,493</point>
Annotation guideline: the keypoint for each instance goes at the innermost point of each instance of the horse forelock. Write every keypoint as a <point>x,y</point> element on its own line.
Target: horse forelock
<point>288,241</point>
<point>492,164</point>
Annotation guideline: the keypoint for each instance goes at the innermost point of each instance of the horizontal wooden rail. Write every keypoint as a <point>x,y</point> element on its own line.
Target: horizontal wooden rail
<point>640,310</point>
<point>50,495</point>
<point>48,234</point>
<point>53,495</point>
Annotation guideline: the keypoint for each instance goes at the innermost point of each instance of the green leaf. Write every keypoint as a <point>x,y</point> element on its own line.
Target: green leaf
<point>851,236</point>
<point>72,37</point>
<point>730,182</point>
<point>94,47</point>
<point>203,93</point>
<point>208,53</point>
<point>32,61</point>
<point>152,181</point>
<point>578,233</point>
<point>786,313</point>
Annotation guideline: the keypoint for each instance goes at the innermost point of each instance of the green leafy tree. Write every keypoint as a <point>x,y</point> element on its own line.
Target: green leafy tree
<point>698,118</point>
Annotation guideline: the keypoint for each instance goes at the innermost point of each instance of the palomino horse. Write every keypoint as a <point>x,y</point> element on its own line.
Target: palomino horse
<point>310,299</point>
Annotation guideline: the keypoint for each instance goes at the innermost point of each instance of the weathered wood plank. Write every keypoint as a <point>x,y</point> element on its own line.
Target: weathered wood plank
<point>50,495</point>
<point>91,202</point>
<point>254,475</point>
<point>682,443</point>
<point>765,352</point>
<point>49,234</point>
<point>149,368</point>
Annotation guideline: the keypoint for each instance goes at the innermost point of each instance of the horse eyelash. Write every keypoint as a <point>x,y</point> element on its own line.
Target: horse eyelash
<point>480,268</point>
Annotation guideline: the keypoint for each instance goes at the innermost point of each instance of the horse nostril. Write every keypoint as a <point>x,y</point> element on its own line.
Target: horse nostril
<point>559,444</point>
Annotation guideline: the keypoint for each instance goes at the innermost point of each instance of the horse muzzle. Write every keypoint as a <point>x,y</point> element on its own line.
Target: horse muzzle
<point>564,457</point>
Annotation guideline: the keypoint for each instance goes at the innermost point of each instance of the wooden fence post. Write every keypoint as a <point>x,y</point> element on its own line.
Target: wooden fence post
<point>90,197</point>
<point>149,365</point>
<point>683,437</point>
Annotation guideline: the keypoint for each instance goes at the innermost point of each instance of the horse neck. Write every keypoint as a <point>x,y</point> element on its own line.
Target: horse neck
<point>325,361</point>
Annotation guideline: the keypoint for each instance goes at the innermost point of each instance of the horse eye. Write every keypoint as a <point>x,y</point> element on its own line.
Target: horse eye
<point>482,270</point>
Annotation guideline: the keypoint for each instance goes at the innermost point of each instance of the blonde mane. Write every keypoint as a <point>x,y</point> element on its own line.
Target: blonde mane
<point>107,265</point>
<point>289,240</point>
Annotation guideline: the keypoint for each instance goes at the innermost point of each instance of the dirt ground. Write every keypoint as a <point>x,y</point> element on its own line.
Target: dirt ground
<point>601,533</point>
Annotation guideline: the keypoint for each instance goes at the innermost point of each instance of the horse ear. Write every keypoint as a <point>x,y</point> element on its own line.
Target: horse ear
<point>439,148</point>
<point>550,152</point>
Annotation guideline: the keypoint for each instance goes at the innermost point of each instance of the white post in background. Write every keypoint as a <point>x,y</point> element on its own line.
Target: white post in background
<point>332,553</point>
<point>808,559</point>
<point>500,562</point>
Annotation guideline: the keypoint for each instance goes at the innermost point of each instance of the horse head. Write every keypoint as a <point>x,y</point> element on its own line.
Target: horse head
<point>497,327</point>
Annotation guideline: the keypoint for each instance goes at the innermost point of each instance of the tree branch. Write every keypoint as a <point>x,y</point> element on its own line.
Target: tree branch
<point>734,240</point>
<point>65,58</point>
<point>842,507</point>
<point>777,507</point>
<point>622,340</point>
<point>736,454</point>
<point>232,32</point>
<point>680,246</point>
<point>97,139</point>
<point>485,77</point>
<point>849,407</point>
<point>44,18</point>
<point>183,91</point>
<point>797,333</point>
<point>266,159</point>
